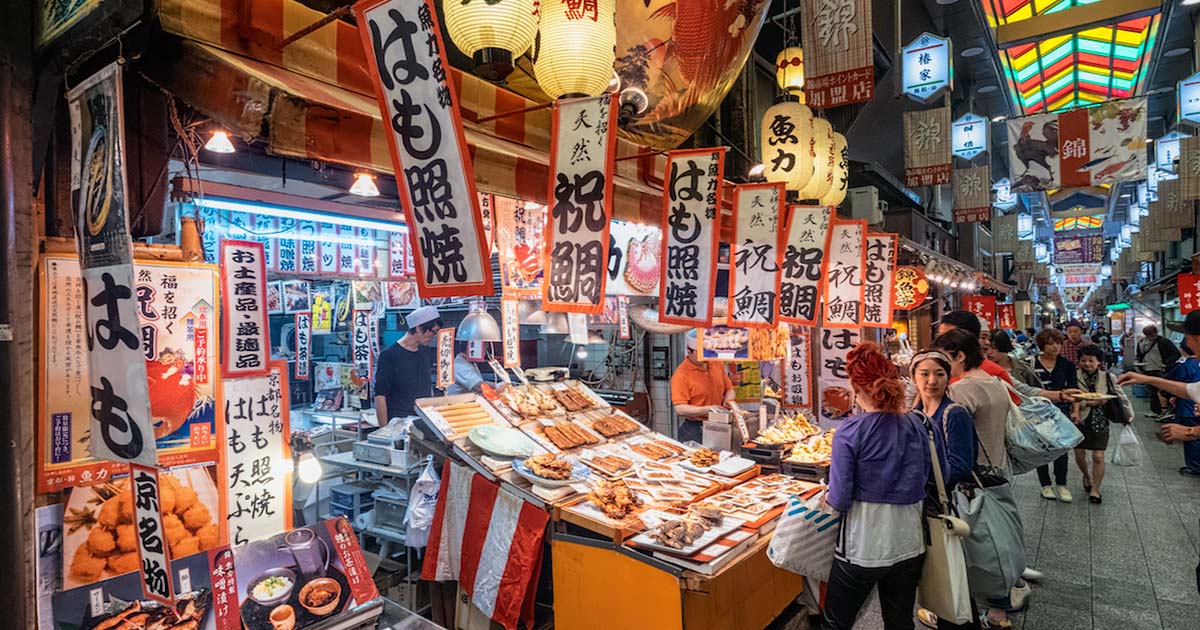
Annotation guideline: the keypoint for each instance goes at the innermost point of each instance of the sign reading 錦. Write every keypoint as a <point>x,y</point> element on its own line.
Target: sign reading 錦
<point>807,240</point>
<point>1004,233</point>
<point>1189,169</point>
<point>838,51</point>
<point>437,187</point>
<point>843,305</point>
<point>927,147</point>
<point>154,565</point>
<point>972,194</point>
<point>754,254</point>
<point>691,234</point>
<point>583,146</point>
<point>969,136</point>
<point>1095,146</point>
<point>797,371</point>
<point>1087,248</point>
<point>243,290</point>
<point>877,291</point>
<point>257,431</point>
<point>928,67</point>
<point>303,345</point>
<point>910,288</point>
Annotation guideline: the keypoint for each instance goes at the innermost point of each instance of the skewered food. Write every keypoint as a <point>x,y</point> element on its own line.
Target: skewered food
<point>568,435</point>
<point>611,464</point>
<point>658,449</point>
<point>788,430</point>
<point>614,425</point>
<point>704,458</point>
<point>548,466</point>
<point>615,498</point>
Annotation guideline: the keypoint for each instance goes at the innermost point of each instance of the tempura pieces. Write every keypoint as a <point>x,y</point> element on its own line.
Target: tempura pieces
<point>615,498</point>
<point>548,466</point>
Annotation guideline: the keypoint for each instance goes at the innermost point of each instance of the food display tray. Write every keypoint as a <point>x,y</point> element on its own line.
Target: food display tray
<point>806,472</point>
<point>427,408</point>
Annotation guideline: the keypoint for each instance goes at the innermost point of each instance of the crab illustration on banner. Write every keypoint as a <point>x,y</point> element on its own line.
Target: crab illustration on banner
<point>408,63</point>
<point>1006,316</point>
<point>804,246</point>
<point>981,306</point>
<point>845,273</point>
<point>878,288</point>
<point>754,254</point>
<point>584,144</point>
<point>691,235</point>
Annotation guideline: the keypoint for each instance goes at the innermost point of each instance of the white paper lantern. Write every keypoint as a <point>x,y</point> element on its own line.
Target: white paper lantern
<point>789,69</point>
<point>492,34</point>
<point>823,161</point>
<point>787,130</point>
<point>576,47</point>
<point>841,173</point>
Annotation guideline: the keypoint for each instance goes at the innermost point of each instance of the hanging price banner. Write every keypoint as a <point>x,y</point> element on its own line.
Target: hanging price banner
<point>797,371</point>
<point>623,315</point>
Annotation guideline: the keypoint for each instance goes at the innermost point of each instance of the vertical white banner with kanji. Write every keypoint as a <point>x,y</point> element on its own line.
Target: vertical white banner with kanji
<point>512,332</point>
<point>258,465</point>
<point>754,254</point>
<point>797,371</point>
<point>879,286</point>
<point>445,358</point>
<point>303,345</point>
<point>361,354</point>
<point>691,235</point>
<point>835,400</point>
<point>844,274</point>
<point>154,566</point>
<point>805,243</point>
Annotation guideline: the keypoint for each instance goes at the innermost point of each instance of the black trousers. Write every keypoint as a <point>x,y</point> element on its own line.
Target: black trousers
<point>1060,471</point>
<point>1155,403</point>
<point>690,430</point>
<point>849,586</point>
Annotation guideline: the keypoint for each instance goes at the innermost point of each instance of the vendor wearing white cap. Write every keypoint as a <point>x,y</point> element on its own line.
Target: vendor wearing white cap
<point>697,387</point>
<point>405,370</point>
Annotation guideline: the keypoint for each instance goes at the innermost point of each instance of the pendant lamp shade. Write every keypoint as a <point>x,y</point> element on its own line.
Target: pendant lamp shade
<point>492,33</point>
<point>787,134</point>
<point>575,47</point>
<point>823,160</point>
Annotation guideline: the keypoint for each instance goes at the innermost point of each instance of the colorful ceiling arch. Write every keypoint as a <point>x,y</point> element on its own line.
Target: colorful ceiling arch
<point>1079,223</point>
<point>1008,11</point>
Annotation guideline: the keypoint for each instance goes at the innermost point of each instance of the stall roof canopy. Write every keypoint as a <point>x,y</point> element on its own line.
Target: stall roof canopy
<point>318,101</point>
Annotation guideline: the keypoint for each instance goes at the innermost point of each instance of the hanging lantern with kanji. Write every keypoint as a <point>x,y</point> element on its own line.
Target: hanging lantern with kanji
<point>492,33</point>
<point>787,131</point>
<point>789,70</point>
<point>841,173</point>
<point>823,161</point>
<point>575,47</point>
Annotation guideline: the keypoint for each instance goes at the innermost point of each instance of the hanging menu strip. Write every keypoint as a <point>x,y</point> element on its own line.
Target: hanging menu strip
<point>243,290</point>
<point>691,236</point>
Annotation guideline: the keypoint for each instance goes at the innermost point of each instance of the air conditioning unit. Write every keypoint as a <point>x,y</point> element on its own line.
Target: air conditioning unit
<point>865,204</point>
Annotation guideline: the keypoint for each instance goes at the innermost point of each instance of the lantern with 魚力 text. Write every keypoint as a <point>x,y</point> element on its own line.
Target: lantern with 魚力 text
<point>787,131</point>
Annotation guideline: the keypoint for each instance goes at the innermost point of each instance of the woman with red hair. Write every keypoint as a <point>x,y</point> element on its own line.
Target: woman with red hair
<point>881,463</point>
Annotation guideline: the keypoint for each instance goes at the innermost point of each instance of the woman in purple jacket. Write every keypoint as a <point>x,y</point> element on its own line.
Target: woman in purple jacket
<point>877,480</point>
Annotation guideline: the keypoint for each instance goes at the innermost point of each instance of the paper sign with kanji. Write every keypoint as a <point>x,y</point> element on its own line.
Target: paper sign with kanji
<point>754,255</point>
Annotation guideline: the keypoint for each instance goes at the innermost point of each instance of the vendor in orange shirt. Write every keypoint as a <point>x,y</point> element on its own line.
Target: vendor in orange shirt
<point>696,388</point>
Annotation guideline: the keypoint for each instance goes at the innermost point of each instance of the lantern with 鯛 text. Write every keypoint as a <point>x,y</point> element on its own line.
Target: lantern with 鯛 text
<point>492,33</point>
<point>575,47</point>
<point>823,161</point>
<point>787,132</point>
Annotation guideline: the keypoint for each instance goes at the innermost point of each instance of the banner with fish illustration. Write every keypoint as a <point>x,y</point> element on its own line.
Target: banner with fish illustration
<point>1098,145</point>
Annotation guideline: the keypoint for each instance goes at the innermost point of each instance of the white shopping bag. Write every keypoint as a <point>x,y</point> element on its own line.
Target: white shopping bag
<point>1129,448</point>
<point>805,538</point>
<point>422,502</point>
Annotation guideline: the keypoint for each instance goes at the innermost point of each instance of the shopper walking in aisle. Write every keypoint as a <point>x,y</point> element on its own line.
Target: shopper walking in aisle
<point>964,320</point>
<point>1095,416</point>
<point>1001,352</point>
<point>1074,341</point>
<point>1155,355</point>
<point>881,463</point>
<point>1056,374</point>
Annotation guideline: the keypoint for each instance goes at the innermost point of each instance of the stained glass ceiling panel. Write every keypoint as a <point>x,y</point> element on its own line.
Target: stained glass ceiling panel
<point>1008,11</point>
<point>1079,223</point>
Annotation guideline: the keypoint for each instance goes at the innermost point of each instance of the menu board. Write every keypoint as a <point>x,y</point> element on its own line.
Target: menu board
<point>258,485</point>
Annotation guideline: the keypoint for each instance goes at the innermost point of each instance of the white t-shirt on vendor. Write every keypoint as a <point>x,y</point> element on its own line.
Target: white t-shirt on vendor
<point>466,376</point>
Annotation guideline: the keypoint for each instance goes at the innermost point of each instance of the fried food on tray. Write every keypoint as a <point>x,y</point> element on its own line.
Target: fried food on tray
<point>614,425</point>
<point>614,498</point>
<point>573,399</point>
<point>611,464</point>
<point>787,431</point>
<point>530,401</point>
<point>548,466</point>
<point>704,457</point>
<point>658,449</point>
<point>567,435</point>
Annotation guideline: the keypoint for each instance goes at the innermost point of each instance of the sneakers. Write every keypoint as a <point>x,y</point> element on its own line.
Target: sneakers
<point>1017,597</point>
<point>927,618</point>
<point>1048,492</point>
<point>1064,495</point>
<point>1188,472</point>
<point>1032,575</point>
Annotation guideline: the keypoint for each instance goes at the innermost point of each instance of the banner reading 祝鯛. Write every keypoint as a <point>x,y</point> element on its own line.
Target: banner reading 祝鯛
<point>844,274</point>
<point>754,255</point>
<point>691,234</point>
<point>804,253</point>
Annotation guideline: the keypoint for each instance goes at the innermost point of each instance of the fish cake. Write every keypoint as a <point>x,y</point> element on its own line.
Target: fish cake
<point>86,567</point>
<point>100,541</point>
<point>123,563</point>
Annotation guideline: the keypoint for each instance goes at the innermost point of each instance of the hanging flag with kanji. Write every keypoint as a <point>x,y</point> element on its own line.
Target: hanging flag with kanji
<point>927,147</point>
<point>754,254</point>
<point>1188,285</point>
<point>972,194</point>
<point>981,306</point>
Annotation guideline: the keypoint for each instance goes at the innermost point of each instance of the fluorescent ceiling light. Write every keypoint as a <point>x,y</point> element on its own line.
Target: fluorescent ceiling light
<point>299,214</point>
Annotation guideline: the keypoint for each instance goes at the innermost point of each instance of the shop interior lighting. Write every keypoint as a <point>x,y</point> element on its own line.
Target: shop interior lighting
<point>581,352</point>
<point>309,468</point>
<point>478,325</point>
<point>364,185</point>
<point>530,312</point>
<point>219,142</point>
<point>556,324</point>
<point>299,214</point>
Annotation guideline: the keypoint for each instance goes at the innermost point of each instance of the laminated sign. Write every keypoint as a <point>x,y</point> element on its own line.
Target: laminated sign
<point>803,264</point>
<point>845,273</point>
<point>429,153</point>
<point>879,285</point>
<point>362,332</point>
<point>754,255</point>
<point>835,397</point>
<point>797,371</point>
<point>243,289</point>
<point>837,52</point>
<point>445,357</point>
<point>121,429</point>
<point>927,147</point>
<point>972,194</point>
<point>691,234</point>
<point>256,446</point>
<point>512,332</point>
<point>581,194</point>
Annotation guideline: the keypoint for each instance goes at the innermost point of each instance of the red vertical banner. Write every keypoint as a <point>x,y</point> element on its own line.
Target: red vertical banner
<point>354,565</point>
<point>1188,285</point>
<point>804,255</point>
<point>243,290</point>
<point>691,225</point>
<point>754,254</point>
<point>226,612</point>
<point>1006,316</point>
<point>1073,147</point>
<point>845,274</point>
<point>981,306</point>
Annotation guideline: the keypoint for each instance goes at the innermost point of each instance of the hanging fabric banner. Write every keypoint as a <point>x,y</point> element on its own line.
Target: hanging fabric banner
<point>972,194</point>
<point>797,371</point>
<point>437,191</point>
<point>1079,147</point>
<point>257,431</point>
<point>753,254</point>
<point>691,235</point>
<point>303,324</point>
<point>910,288</point>
<point>360,347</point>
<point>835,398</point>
<point>800,274</point>
<point>877,292</point>
<point>845,274</point>
<point>121,429</point>
<point>927,147</point>
<point>981,306</point>
<point>1189,168</point>
<point>1004,233</point>
<point>519,244</point>
<point>487,214</point>
<point>1188,286</point>
<point>153,565</point>
<point>247,334</point>
<point>512,332</point>
<point>1006,316</point>
<point>583,146</point>
<point>838,52</point>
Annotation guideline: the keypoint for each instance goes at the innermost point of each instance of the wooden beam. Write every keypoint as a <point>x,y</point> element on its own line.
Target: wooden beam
<point>1071,20</point>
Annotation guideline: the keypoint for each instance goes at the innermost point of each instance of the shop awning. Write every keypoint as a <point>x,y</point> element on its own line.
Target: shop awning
<point>317,101</point>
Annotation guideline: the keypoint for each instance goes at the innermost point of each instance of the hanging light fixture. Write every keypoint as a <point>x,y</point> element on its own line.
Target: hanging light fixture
<point>787,134</point>
<point>823,160</point>
<point>789,70</point>
<point>841,176</point>
<point>492,34</point>
<point>575,47</point>
<point>219,142</point>
<point>364,185</point>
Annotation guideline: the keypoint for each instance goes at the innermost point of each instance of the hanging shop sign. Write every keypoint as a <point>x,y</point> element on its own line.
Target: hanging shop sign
<point>1005,197</point>
<point>445,357</point>
<point>1189,169</point>
<point>803,266</point>
<point>361,351</point>
<point>754,254</point>
<point>787,137</point>
<point>836,399</point>
<point>623,316</point>
<point>1006,316</point>
<point>121,428</point>
<point>1080,275</point>
<point>398,258</point>
<point>633,259</point>
<point>153,565</point>
<point>845,274</point>
<point>691,233</point>
<point>969,136</point>
<point>1187,100</point>
<point>981,306</point>
<point>1078,249</point>
<point>911,288</point>
<point>177,327</point>
<point>303,323</point>
<point>877,290</point>
<point>1188,285</point>
<point>519,243</point>
<point>1004,233</point>
<point>437,191</point>
<point>927,147</point>
<point>1079,147</point>
<point>222,578</point>
<point>797,371</point>
<point>581,190</point>
<point>512,332</point>
<point>927,68</point>
<point>257,457</point>
<point>487,215</point>
<point>1166,151</point>
<point>247,339</point>
<point>838,52</point>
<point>972,196</point>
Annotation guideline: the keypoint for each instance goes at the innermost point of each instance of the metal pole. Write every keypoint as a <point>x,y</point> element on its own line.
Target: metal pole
<point>17,316</point>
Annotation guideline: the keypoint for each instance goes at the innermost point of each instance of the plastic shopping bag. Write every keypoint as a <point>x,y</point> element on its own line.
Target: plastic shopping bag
<point>1129,448</point>
<point>418,517</point>
<point>805,538</point>
<point>1037,432</point>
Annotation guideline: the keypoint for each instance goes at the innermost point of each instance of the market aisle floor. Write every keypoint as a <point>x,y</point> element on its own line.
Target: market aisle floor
<point>1126,564</point>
